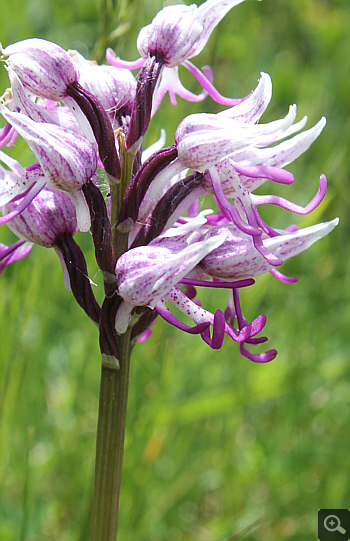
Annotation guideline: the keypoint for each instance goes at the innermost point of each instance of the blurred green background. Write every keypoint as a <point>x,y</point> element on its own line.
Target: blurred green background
<point>217,448</point>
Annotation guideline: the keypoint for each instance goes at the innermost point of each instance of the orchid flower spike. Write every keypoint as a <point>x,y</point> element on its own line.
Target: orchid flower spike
<point>153,245</point>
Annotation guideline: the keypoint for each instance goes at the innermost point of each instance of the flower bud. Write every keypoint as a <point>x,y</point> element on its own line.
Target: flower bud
<point>49,216</point>
<point>114,88</point>
<point>44,68</point>
<point>145,274</point>
<point>68,160</point>
<point>180,32</point>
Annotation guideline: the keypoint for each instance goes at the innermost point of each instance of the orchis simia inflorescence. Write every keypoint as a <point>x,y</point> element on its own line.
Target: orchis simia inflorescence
<point>151,243</point>
<point>153,246</point>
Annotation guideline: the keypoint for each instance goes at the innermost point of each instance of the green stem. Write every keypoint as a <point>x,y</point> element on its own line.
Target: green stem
<point>110,446</point>
<point>120,238</point>
<point>113,393</point>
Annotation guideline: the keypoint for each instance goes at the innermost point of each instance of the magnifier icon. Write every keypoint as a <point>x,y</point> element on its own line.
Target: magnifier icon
<point>332,524</point>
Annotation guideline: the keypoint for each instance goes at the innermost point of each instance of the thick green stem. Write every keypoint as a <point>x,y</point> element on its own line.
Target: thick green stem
<point>110,446</point>
<point>113,392</point>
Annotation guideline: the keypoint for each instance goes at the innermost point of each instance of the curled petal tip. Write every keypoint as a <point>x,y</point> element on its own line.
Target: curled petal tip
<point>261,358</point>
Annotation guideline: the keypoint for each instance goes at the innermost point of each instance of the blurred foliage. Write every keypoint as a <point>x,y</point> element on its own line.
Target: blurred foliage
<point>217,448</point>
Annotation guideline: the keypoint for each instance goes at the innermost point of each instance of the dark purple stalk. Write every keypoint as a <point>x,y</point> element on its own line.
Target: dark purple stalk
<point>141,113</point>
<point>100,228</point>
<point>100,125</point>
<point>140,183</point>
<point>165,208</point>
<point>78,276</point>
